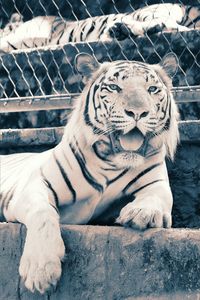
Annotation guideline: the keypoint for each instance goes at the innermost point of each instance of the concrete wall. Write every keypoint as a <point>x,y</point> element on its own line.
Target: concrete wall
<point>107,263</point>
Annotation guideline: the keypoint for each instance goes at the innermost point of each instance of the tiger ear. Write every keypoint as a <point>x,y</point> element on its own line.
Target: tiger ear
<point>170,64</point>
<point>86,65</point>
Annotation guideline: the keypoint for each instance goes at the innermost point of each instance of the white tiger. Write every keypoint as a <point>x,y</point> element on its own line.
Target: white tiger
<point>52,30</point>
<point>114,145</point>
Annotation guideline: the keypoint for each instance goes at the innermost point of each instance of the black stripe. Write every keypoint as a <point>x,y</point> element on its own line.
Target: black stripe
<point>50,187</point>
<point>61,34</point>
<point>161,98</point>
<point>71,36</point>
<point>66,179</point>
<point>193,22</point>
<point>94,104</point>
<point>27,45</point>
<point>2,218</point>
<point>6,199</point>
<point>106,109</point>
<point>139,176</point>
<point>91,180</point>
<point>9,197</point>
<point>153,153</point>
<point>144,186</point>
<point>95,88</point>
<point>14,48</point>
<point>86,111</point>
<point>167,124</point>
<point>106,88</point>
<point>111,168</point>
<point>122,65</point>
<point>117,177</point>
<point>102,156</point>
<point>166,109</point>
<point>116,74</point>
<point>91,29</point>
<point>82,31</point>
<point>102,97</point>
<point>102,27</point>
<point>56,23</point>
<point>186,14</point>
<point>87,118</point>
<point>81,153</point>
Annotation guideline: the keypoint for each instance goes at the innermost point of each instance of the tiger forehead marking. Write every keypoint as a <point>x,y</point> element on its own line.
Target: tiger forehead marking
<point>122,72</point>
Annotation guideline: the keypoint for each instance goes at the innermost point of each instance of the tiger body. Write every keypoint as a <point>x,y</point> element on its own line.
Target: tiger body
<point>115,143</point>
<point>52,30</point>
<point>89,197</point>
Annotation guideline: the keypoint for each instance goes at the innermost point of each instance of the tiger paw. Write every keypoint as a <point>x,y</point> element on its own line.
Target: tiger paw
<point>141,217</point>
<point>40,267</point>
<point>120,31</point>
<point>155,29</point>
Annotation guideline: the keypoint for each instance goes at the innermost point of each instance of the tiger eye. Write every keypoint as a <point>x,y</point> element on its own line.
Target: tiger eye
<point>153,89</point>
<point>114,87</point>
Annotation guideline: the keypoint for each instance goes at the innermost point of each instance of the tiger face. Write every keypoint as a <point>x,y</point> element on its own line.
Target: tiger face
<point>130,108</point>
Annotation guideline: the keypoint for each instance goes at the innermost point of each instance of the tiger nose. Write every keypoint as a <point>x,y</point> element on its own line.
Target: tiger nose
<point>137,115</point>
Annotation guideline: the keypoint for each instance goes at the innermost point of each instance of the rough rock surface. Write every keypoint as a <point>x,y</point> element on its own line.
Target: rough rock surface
<point>111,263</point>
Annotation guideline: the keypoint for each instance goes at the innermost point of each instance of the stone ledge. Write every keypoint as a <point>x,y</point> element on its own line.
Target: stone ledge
<point>111,263</point>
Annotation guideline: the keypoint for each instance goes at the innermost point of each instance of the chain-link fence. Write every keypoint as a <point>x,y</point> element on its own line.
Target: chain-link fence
<point>39,41</point>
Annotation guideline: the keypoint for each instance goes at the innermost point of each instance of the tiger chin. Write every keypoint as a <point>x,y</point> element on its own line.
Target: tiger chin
<point>123,126</point>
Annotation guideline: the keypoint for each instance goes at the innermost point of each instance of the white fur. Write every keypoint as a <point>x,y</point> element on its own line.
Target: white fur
<point>40,31</point>
<point>33,203</point>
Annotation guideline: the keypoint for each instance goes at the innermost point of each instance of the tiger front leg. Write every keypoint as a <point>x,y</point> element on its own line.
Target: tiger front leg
<point>40,264</point>
<point>151,208</point>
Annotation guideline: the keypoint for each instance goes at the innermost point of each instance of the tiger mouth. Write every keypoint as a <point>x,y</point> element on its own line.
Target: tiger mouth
<point>133,141</point>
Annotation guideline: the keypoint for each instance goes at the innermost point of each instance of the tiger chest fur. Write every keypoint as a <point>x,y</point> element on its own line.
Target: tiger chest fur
<point>86,183</point>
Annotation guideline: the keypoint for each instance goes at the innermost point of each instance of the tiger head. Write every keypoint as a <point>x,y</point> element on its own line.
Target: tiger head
<point>128,109</point>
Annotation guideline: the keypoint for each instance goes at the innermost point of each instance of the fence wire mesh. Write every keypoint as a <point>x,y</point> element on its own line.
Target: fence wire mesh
<point>39,41</point>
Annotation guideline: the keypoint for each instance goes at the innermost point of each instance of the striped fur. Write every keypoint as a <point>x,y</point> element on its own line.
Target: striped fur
<point>51,30</point>
<point>114,145</point>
